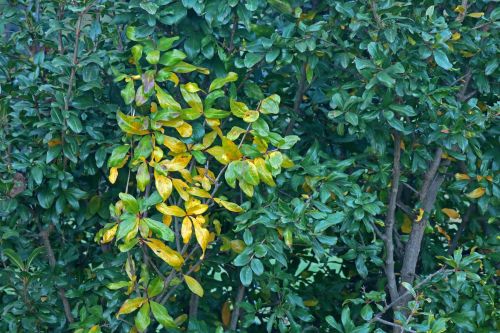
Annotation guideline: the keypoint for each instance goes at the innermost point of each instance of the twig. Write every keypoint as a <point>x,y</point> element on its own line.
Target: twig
<point>461,15</point>
<point>380,320</point>
<point>376,16</point>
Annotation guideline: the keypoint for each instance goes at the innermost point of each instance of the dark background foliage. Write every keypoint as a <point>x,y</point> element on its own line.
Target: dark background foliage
<point>396,106</point>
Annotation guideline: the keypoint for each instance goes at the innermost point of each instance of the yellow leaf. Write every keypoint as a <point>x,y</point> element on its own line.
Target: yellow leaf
<point>185,130</point>
<point>476,14</point>
<point>406,226</point>
<point>113,174</point>
<point>95,329</point>
<point>198,192</point>
<point>444,233</point>
<point>456,36</point>
<point>477,193</point>
<point>219,154</point>
<point>186,229</point>
<point>175,145</point>
<point>231,149</point>
<point>181,188</point>
<point>451,213</point>
<point>459,9</point>
<point>202,236</point>
<point>461,176</point>
<point>287,162</point>
<point>208,139</point>
<point>163,186</point>
<point>213,123</point>
<point>167,220</point>
<point>197,210</point>
<point>193,285</point>
<point>231,206</point>
<point>166,100</point>
<point>109,234</point>
<point>171,257</point>
<point>157,154</point>
<point>186,175</point>
<point>170,210</point>
<point>130,305</point>
<point>261,144</point>
<point>179,162</point>
<point>264,173</point>
<point>420,215</point>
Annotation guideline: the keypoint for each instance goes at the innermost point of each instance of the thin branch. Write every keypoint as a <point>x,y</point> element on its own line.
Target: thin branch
<point>44,235</point>
<point>407,293</point>
<point>380,320</point>
<point>237,306</point>
<point>461,15</point>
<point>390,219</point>
<point>299,95</point>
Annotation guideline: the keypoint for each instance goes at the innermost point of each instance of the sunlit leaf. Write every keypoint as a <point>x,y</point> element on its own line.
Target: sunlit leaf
<point>194,285</point>
<point>130,305</point>
<point>171,257</point>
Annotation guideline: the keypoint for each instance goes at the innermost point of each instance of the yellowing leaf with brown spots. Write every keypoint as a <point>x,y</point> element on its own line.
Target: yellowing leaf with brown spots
<point>461,176</point>
<point>163,186</point>
<point>179,162</point>
<point>109,234</point>
<point>174,144</point>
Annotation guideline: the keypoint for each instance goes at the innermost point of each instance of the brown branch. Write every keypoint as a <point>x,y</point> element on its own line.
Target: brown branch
<point>44,235</point>
<point>299,95</point>
<point>194,301</point>
<point>390,219</point>
<point>237,305</point>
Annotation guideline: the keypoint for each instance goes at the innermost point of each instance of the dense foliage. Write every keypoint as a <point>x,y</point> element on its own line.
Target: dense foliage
<point>250,166</point>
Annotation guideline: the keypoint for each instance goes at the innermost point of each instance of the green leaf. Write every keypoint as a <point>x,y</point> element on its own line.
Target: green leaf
<point>166,43</point>
<point>15,258</point>
<point>351,118</point>
<point>155,287</point>
<point>331,220</point>
<point>251,59</point>
<point>133,124</point>
<point>442,59</point>
<point>220,82</point>
<point>127,224</point>
<point>246,276</point>
<point>384,78</point>
<point>257,266</point>
<point>270,105</point>
<point>142,319</point>
<point>216,114</point>
<point>162,230</point>
<point>128,93</point>
<point>118,156</point>
<point>37,174</point>
<point>75,124</point>
<point>137,52</point>
<point>144,148</point>
<point>366,312</point>
<point>161,315</point>
<point>129,202</point>
<point>153,57</point>
<point>172,58</point>
<point>143,178</point>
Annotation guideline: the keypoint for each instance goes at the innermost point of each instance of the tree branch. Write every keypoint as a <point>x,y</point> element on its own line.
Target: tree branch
<point>236,311</point>
<point>390,219</point>
<point>299,95</point>
<point>44,235</point>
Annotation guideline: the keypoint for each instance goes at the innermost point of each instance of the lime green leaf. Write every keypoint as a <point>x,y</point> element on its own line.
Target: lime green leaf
<point>193,285</point>
<point>270,105</point>
<point>161,315</point>
<point>220,82</point>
